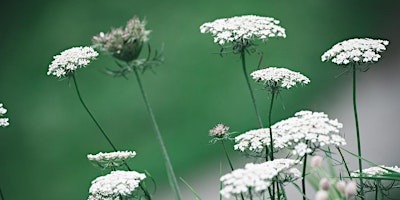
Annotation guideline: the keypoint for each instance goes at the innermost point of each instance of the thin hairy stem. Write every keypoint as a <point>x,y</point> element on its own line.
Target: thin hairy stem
<point>344,162</point>
<point>148,196</point>
<point>270,124</point>
<point>253,99</point>
<point>170,171</point>
<point>227,156</point>
<point>303,180</point>
<point>358,131</point>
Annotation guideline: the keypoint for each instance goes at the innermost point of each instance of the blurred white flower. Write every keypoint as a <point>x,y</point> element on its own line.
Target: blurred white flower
<point>116,185</point>
<point>356,51</point>
<point>248,27</point>
<point>257,177</point>
<point>220,130</point>
<point>112,159</point>
<point>3,121</point>
<point>276,78</point>
<point>375,171</point>
<point>71,59</point>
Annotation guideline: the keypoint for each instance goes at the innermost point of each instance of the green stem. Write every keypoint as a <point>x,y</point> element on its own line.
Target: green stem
<point>148,196</point>
<point>170,171</point>
<point>303,180</point>
<point>344,162</point>
<point>253,99</point>
<point>1,195</point>
<point>358,131</point>
<point>270,124</point>
<point>227,156</point>
<point>283,191</point>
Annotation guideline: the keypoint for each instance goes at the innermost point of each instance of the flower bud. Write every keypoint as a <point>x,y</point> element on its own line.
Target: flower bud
<point>324,184</point>
<point>316,161</point>
<point>351,189</point>
<point>341,186</point>
<point>321,195</point>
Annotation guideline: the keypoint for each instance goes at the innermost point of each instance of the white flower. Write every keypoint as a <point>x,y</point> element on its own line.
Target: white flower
<point>279,77</point>
<point>70,60</point>
<point>253,140</point>
<point>246,27</point>
<point>115,185</point>
<point>356,51</point>
<point>257,177</point>
<point>219,131</point>
<point>375,171</point>
<point>112,159</point>
<point>3,121</point>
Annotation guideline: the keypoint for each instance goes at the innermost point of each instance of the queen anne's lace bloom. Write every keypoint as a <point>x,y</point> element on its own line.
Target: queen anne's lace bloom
<point>70,60</point>
<point>219,131</point>
<point>115,185</point>
<point>112,159</point>
<point>375,171</point>
<point>246,27</point>
<point>3,121</point>
<point>357,51</point>
<point>258,177</point>
<point>274,78</point>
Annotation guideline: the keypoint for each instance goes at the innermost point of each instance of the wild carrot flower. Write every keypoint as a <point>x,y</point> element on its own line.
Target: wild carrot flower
<point>3,121</point>
<point>356,51</point>
<point>375,171</point>
<point>117,185</point>
<point>243,28</point>
<point>124,43</point>
<point>219,131</point>
<point>276,78</point>
<point>254,179</point>
<point>71,59</point>
<point>112,159</point>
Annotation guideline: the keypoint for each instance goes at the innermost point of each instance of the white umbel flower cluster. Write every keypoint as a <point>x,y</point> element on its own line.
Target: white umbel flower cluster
<point>70,60</point>
<point>375,171</point>
<point>3,121</point>
<point>220,130</point>
<point>314,128</point>
<point>356,51</point>
<point>258,177</point>
<point>275,78</point>
<point>115,185</point>
<point>112,159</point>
<point>253,140</point>
<point>246,27</point>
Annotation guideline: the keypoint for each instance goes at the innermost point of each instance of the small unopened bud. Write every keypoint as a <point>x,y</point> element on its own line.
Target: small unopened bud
<point>324,184</point>
<point>316,161</point>
<point>351,189</point>
<point>341,187</point>
<point>321,195</point>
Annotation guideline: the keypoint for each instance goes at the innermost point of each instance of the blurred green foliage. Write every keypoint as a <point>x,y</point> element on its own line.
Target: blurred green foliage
<point>43,151</point>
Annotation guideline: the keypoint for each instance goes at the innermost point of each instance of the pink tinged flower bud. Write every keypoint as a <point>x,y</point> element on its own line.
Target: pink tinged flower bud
<point>341,187</point>
<point>321,195</point>
<point>324,184</point>
<point>316,161</point>
<point>351,189</point>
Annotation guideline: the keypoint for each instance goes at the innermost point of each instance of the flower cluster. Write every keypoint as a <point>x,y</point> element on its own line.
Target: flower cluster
<point>219,131</point>
<point>70,60</point>
<point>246,27</point>
<point>356,51</point>
<point>256,178</point>
<point>117,185</point>
<point>124,43</point>
<point>375,171</point>
<point>112,159</point>
<point>3,121</point>
<point>302,133</point>
<point>276,78</point>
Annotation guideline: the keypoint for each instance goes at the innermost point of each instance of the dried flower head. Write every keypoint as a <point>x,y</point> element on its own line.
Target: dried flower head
<point>124,43</point>
<point>117,185</point>
<point>256,178</point>
<point>242,30</point>
<point>3,121</point>
<point>375,171</point>
<point>112,159</point>
<point>219,131</point>
<point>276,78</point>
<point>356,51</point>
<point>71,59</point>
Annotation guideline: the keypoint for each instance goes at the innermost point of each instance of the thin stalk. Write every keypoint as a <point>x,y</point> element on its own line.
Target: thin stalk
<point>170,171</point>
<point>227,156</point>
<point>1,195</point>
<point>246,76</point>
<point>270,124</point>
<point>303,180</point>
<point>283,190</point>
<point>344,162</point>
<point>148,196</point>
<point>358,131</point>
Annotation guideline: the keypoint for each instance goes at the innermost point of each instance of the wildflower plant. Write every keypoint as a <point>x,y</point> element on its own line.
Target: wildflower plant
<point>111,160</point>
<point>3,121</point>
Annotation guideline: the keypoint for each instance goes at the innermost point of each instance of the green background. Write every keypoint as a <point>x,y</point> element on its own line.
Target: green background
<point>43,151</point>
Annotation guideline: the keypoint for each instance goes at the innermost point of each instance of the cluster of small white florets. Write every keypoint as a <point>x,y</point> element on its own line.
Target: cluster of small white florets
<point>357,50</point>
<point>257,177</point>
<point>294,133</point>
<point>3,121</point>
<point>112,159</point>
<point>375,171</point>
<point>246,27</point>
<point>274,77</point>
<point>115,185</point>
<point>70,60</point>
<point>220,130</point>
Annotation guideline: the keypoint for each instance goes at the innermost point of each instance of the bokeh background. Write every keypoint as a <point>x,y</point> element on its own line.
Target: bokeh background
<point>43,151</point>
